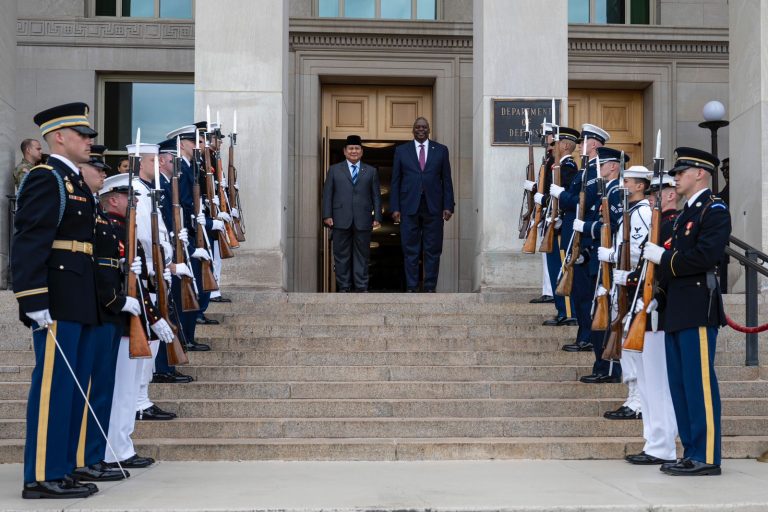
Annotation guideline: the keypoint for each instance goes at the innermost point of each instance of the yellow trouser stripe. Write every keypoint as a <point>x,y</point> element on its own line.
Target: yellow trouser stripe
<point>83,429</point>
<point>707,390</point>
<point>567,298</point>
<point>45,403</point>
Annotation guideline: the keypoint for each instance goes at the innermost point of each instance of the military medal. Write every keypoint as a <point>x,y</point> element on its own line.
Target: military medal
<point>69,186</point>
<point>688,228</point>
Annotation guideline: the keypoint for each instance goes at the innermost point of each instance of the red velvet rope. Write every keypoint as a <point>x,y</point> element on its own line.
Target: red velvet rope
<point>743,328</point>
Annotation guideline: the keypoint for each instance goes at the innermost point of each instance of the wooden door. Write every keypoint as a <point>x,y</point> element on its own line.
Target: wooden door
<point>618,112</point>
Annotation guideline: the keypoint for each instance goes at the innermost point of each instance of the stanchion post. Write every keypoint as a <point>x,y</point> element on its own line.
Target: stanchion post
<point>751,299</point>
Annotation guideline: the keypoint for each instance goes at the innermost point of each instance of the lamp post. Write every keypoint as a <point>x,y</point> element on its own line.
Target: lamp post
<point>713,112</point>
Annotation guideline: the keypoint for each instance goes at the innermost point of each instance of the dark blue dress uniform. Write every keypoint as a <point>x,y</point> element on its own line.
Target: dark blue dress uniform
<point>53,269</point>
<point>691,297</point>
<point>583,285</point>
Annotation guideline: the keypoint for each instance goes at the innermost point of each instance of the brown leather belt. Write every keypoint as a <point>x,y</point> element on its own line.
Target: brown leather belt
<point>74,246</point>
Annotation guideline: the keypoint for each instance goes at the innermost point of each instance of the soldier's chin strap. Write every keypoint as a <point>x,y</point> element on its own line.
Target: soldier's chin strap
<point>87,402</point>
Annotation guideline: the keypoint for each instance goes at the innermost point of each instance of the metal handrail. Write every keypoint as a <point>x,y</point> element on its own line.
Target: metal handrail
<point>750,260</point>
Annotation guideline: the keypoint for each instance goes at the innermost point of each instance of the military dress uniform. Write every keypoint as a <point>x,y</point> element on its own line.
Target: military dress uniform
<point>53,270</point>
<point>691,298</point>
<point>554,259</point>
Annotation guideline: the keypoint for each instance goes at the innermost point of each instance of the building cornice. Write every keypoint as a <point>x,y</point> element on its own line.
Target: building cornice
<point>639,41</point>
<point>105,32</point>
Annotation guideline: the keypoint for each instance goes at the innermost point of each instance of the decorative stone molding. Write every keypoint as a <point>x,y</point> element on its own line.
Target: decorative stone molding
<point>597,47</point>
<point>379,41</point>
<point>105,33</point>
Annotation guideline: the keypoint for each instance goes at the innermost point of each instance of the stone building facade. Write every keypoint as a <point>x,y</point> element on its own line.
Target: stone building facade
<point>293,76</point>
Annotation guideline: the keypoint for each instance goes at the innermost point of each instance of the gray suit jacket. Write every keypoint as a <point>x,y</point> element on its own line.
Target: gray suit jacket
<point>347,203</point>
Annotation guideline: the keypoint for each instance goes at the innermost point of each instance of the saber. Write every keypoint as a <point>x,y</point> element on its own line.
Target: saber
<point>85,397</point>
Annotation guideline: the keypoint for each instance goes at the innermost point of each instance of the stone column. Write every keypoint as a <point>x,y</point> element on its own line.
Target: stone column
<point>241,57</point>
<point>520,51</point>
<point>8,142</point>
<point>748,138</point>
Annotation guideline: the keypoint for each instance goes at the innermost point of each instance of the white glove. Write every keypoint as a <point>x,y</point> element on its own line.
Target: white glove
<point>201,219</point>
<point>132,306</point>
<point>538,198</point>
<point>184,235</point>
<point>167,250</point>
<point>42,318</point>
<point>167,275</point>
<point>652,252</point>
<point>639,306</point>
<point>556,190</point>
<point>235,213</point>
<point>136,265</point>
<point>528,185</point>
<point>216,200</point>
<point>224,216</point>
<point>237,187</point>
<point>558,223</point>
<point>218,225</point>
<point>606,255</point>
<point>601,291</point>
<point>183,270</point>
<point>578,225</point>
<point>201,254</point>
<point>224,183</point>
<point>620,277</point>
<point>163,330</point>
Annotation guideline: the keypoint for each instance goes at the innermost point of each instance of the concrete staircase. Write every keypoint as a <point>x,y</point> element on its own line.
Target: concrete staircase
<point>391,377</point>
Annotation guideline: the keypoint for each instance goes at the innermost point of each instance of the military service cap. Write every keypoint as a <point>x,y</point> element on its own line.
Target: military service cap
<point>116,183</point>
<point>690,157</point>
<point>97,157</point>
<point>595,132</point>
<point>168,146</point>
<point>185,133</point>
<point>569,134</point>
<point>610,155</point>
<point>667,181</point>
<point>71,115</point>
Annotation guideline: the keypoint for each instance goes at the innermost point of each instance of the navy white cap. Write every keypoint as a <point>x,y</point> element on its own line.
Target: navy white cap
<point>595,132</point>
<point>144,149</point>
<point>667,180</point>
<point>639,172</point>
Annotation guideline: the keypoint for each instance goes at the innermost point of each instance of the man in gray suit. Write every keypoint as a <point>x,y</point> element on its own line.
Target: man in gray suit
<point>352,208</point>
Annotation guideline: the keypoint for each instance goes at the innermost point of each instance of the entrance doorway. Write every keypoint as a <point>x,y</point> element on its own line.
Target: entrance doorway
<point>619,112</point>
<point>383,116</point>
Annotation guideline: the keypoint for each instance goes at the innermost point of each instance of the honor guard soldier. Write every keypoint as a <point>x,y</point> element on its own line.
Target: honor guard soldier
<point>548,143</point>
<point>54,283</point>
<point>609,163</point>
<point>689,294</point>
<point>583,281</point>
<point>568,138</point>
<point>659,425</point>
<point>91,443</point>
<point>113,198</point>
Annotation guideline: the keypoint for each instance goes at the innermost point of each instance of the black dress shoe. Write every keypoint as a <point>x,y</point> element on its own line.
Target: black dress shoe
<point>173,377</point>
<point>597,378</point>
<point>204,320</point>
<point>553,322</point>
<point>98,472</point>
<point>133,462</point>
<point>623,413</point>
<point>643,459</point>
<point>568,321</point>
<point>198,347</point>
<point>689,467</point>
<point>154,413</point>
<point>220,299</point>
<point>55,489</point>
<point>411,290</point>
<point>430,290</point>
<point>544,299</point>
<point>91,487</point>
<point>579,346</point>
<point>343,290</point>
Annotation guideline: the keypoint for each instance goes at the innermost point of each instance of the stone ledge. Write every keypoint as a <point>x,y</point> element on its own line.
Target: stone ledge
<point>105,32</point>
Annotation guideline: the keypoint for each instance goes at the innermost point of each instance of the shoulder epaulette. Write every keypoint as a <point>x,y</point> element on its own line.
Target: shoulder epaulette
<point>42,166</point>
<point>59,182</point>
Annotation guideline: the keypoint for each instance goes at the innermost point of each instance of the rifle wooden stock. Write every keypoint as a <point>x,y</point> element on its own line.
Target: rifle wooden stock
<point>613,346</point>
<point>176,355</point>
<point>602,309</point>
<point>209,280</point>
<point>224,202</point>
<point>528,206</point>
<point>565,284</point>
<point>188,295</point>
<point>234,194</point>
<point>636,336</point>
<point>225,251</point>
<point>138,345</point>
<point>548,239</point>
<point>529,247</point>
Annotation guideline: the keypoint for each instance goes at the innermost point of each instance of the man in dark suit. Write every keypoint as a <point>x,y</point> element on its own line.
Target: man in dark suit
<point>352,208</point>
<point>422,200</point>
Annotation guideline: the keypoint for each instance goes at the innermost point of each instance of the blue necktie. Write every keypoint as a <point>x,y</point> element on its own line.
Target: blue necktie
<point>354,174</point>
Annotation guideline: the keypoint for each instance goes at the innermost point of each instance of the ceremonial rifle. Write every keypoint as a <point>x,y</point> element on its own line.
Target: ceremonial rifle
<point>565,283</point>
<point>138,344</point>
<point>524,226</point>
<point>224,198</point>
<point>188,294</point>
<point>636,335</point>
<point>548,236</point>
<point>234,193</point>
<point>613,345</point>
<point>209,280</point>
<point>602,314</point>
<point>224,248</point>
<point>176,354</point>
